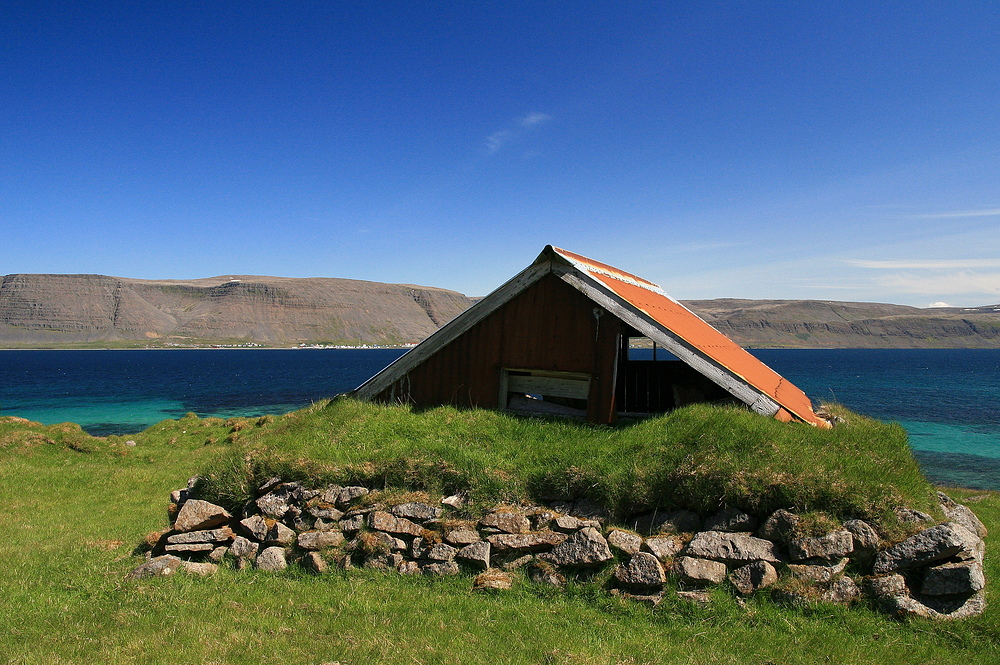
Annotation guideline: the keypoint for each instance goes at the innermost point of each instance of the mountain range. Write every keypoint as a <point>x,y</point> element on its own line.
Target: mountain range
<point>97,310</point>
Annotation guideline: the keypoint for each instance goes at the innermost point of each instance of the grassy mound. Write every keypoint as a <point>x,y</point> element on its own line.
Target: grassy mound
<point>700,457</point>
<point>75,506</point>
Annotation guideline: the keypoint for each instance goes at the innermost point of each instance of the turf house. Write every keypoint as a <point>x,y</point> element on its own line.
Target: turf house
<point>561,336</point>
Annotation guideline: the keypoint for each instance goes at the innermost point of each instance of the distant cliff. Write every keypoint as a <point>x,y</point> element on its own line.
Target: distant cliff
<point>834,324</point>
<point>73,310</point>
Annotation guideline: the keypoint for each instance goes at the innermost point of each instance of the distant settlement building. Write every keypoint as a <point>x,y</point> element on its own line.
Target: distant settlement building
<point>561,338</point>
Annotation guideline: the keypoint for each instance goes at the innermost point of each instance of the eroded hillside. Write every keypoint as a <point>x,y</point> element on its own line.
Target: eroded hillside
<point>69,310</point>
<point>57,309</point>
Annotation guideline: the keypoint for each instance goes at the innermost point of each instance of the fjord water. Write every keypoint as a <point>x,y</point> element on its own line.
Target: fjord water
<point>947,399</point>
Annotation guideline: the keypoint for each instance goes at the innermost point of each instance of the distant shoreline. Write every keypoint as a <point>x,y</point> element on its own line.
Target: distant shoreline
<point>407,348</point>
<point>210,348</point>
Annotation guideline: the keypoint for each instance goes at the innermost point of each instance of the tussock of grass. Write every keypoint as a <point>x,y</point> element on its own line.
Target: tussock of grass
<point>700,457</point>
<point>20,433</point>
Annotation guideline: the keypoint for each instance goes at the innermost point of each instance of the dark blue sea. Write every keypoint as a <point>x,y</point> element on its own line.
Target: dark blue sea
<point>946,399</point>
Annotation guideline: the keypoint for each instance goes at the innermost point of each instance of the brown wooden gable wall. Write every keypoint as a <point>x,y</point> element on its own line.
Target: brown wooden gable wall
<point>550,325</point>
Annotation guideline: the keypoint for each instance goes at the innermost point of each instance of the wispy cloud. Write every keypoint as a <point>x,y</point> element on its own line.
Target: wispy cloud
<point>937,277</point>
<point>986,212</point>
<point>497,140</point>
<point>926,264</point>
<point>961,282</point>
<point>500,138</point>
<point>533,119</point>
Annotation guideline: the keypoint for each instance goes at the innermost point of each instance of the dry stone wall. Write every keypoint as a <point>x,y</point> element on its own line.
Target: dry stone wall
<point>937,572</point>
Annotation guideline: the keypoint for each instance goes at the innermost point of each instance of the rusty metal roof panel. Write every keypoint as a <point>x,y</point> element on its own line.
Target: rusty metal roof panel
<point>666,312</point>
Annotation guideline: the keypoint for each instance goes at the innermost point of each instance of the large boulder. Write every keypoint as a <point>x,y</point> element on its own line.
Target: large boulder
<point>732,548</point>
<point>380,520</point>
<point>697,571</point>
<point>462,536</point>
<point>946,607</point>
<point>834,545</point>
<point>753,576</point>
<point>157,567</point>
<point>642,570</point>
<point>255,527</point>
<point>506,522</point>
<point>818,570</point>
<point>893,595</point>
<point>954,577</point>
<point>272,558</point>
<point>934,544</point>
<point>320,540</point>
<point>779,526</point>
<point>626,542</point>
<point>663,547</point>
<point>525,542</point>
<point>196,515</point>
<point>416,510</point>
<point>477,554</point>
<point>956,512</point>
<point>244,548</point>
<point>586,547</point>
<point>276,503</point>
<point>222,535</point>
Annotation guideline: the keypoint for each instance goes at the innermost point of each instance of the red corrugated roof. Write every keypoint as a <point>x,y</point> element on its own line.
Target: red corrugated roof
<point>682,322</point>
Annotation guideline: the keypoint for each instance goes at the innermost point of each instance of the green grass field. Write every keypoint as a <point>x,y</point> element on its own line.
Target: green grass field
<point>74,507</point>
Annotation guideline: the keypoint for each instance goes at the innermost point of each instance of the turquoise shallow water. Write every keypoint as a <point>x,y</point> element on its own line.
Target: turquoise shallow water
<point>119,392</point>
<point>946,399</point>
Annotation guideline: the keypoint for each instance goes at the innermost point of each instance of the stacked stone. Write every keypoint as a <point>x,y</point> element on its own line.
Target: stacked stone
<point>937,572</point>
<point>198,540</point>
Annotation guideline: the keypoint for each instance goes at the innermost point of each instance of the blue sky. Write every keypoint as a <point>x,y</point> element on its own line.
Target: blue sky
<point>843,151</point>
